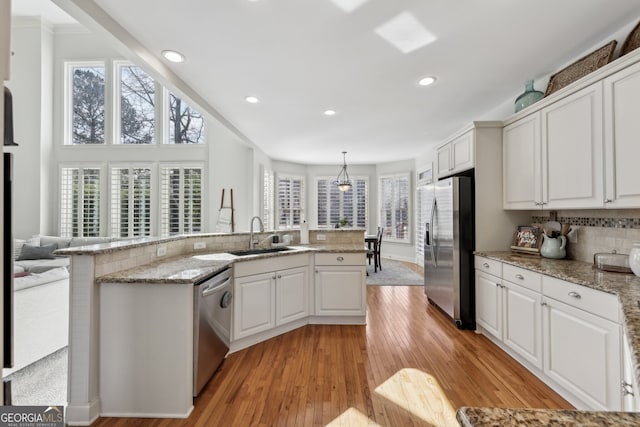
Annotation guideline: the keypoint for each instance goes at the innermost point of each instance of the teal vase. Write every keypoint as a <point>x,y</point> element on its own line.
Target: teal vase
<point>528,97</point>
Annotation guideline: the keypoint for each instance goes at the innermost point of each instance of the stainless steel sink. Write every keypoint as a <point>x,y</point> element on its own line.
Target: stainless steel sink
<point>260,251</point>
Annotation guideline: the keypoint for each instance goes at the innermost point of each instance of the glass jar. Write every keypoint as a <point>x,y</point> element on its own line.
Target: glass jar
<point>529,96</point>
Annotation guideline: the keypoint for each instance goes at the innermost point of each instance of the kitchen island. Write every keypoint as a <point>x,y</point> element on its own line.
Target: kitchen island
<point>158,275</point>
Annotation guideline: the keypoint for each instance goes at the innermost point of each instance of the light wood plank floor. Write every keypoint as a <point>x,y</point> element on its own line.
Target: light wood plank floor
<point>356,375</point>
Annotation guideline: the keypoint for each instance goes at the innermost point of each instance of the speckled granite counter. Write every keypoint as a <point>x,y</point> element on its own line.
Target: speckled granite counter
<point>500,417</point>
<point>626,287</point>
<point>191,268</point>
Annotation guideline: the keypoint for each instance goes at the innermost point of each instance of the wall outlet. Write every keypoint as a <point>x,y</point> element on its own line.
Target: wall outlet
<point>161,251</point>
<point>320,237</point>
<point>199,245</point>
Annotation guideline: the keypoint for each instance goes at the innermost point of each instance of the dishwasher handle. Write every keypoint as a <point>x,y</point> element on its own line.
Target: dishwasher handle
<point>215,287</point>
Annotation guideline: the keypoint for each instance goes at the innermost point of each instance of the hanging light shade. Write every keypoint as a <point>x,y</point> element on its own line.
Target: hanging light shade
<point>343,182</point>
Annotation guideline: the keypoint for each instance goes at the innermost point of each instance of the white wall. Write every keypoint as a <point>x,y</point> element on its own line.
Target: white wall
<point>31,43</point>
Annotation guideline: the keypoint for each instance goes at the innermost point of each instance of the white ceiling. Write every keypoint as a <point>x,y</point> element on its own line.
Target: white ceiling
<point>301,57</point>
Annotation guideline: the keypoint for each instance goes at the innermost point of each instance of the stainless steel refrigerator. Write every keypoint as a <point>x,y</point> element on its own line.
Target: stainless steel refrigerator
<point>448,249</point>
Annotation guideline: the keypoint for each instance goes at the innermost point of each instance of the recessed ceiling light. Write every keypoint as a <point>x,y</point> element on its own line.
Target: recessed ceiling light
<point>426,81</point>
<point>329,112</point>
<point>173,56</point>
<point>251,99</point>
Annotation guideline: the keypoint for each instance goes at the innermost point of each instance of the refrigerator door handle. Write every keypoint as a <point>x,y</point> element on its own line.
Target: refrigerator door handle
<point>433,239</point>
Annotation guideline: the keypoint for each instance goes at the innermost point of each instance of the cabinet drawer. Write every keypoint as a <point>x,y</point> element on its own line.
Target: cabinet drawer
<point>341,258</point>
<point>520,276</point>
<point>595,302</point>
<point>489,266</point>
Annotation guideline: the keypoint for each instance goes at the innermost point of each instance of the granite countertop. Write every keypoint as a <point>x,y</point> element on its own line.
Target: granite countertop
<point>502,417</point>
<point>626,287</point>
<point>191,268</point>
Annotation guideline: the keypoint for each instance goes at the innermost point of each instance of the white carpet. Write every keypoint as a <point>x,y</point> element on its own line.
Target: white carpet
<point>393,273</point>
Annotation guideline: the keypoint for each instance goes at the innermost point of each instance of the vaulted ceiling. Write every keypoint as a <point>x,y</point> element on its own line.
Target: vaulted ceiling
<point>303,57</point>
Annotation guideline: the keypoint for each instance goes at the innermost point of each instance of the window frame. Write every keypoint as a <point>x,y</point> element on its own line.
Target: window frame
<point>390,232</point>
<point>102,184</point>
<point>290,225</point>
<point>69,66</point>
<point>160,195</point>
<point>331,182</point>
<point>152,199</point>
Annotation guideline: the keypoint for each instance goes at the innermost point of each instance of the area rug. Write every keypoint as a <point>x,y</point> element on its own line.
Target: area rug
<point>393,273</point>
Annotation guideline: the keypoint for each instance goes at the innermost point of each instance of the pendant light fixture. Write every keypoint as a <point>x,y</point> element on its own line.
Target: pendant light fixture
<point>343,181</point>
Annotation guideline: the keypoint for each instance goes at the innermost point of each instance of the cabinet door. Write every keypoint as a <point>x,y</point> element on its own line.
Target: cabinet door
<point>489,303</point>
<point>521,164</point>
<point>462,156</point>
<point>340,291</point>
<point>523,322</point>
<point>572,151</point>
<point>292,295</point>
<point>254,304</point>
<point>582,354</point>
<point>622,127</point>
<point>630,389</point>
<point>444,160</point>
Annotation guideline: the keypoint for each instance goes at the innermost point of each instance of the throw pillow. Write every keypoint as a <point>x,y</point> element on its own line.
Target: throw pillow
<point>22,274</point>
<point>37,252</point>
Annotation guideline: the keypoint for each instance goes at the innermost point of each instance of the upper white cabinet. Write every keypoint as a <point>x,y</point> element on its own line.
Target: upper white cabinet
<point>456,155</point>
<point>572,151</point>
<point>622,132</point>
<point>522,164</point>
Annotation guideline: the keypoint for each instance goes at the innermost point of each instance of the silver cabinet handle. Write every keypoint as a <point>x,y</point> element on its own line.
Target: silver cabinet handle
<point>274,277</point>
<point>279,276</point>
<point>627,389</point>
<point>537,203</point>
<point>519,276</point>
<point>609,201</point>
<point>485,265</point>
<point>340,258</point>
<point>544,304</point>
<point>575,295</point>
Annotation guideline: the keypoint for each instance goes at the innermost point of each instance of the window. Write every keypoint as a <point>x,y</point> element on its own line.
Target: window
<point>334,205</point>
<point>137,105</point>
<point>79,202</point>
<point>267,199</point>
<point>86,103</point>
<point>186,125</point>
<point>290,201</point>
<point>130,201</point>
<point>180,200</point>
<point>423,197</point>
<point>394,206</point>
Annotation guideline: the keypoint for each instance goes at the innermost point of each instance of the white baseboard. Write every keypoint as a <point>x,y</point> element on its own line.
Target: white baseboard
<point>82,414</point>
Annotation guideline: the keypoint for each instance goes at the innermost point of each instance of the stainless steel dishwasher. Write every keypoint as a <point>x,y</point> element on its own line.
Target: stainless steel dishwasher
<point>211,326</point>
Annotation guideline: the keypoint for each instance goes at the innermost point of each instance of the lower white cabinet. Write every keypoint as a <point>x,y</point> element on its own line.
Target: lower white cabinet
<point>340,288</point>
<point>567,334</point>
<point>630,389</point>
<point>582,354</point>
<point>265,301</point>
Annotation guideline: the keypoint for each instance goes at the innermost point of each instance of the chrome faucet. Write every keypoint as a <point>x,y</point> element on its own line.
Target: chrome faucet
<point>251,241</point>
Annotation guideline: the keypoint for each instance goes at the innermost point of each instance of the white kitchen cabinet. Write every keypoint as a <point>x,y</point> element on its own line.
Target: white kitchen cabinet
<point>553,158</point>
<point>456,155</point>
<point>582,354</point>
<point>265,301</point>
<point>254,304</point>
<point>522,330</point>
<point>340,288</point>
<point>292,295</point>
<point>489,303</point>
<point>622,127</point>
<point>630,389</point>
<point>572,151</point>
<point>522,164</point>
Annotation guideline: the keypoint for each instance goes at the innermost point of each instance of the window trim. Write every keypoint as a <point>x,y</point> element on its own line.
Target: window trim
<point>203,201</point>
<point>331,180</point>
<point>154,192</point>
<point>303,200</point>
<point>103,185</point>
<point>67,139</point>
<point>394,177</point>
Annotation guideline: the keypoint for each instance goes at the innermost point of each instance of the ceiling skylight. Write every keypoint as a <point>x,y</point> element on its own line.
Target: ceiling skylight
<point>349,5</point>
<point>405,33</point>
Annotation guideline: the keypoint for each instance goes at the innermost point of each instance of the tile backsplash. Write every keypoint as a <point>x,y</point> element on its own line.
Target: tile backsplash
<point>596,230</point>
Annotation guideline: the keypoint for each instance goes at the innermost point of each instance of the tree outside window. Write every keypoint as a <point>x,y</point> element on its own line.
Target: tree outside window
<point>87,104</point>
<point>186,125</point>
<point>137,106</point>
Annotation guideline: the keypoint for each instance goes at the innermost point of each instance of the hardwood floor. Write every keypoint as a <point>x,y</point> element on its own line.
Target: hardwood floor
<point>405,357</point>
